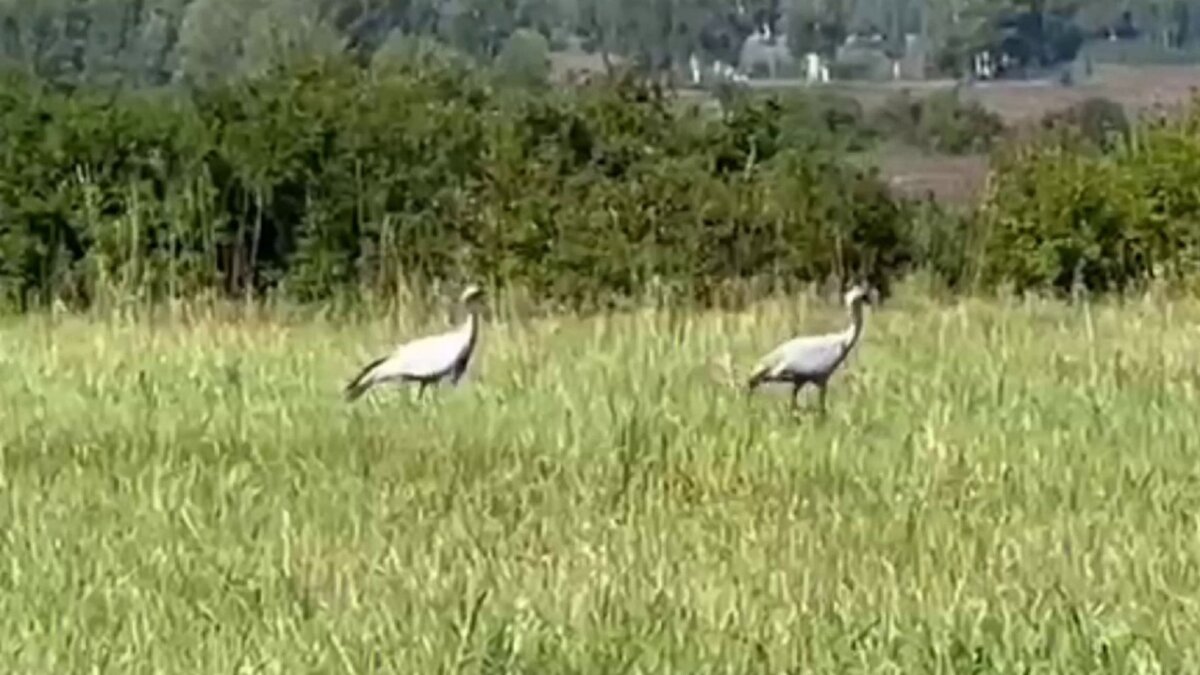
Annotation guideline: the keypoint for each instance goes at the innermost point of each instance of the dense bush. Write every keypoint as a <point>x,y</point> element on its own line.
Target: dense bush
<point>826,120</point>
<point>1096,120</point>
<point>943,240</point>
<point>797,119</point>
<point>327,176</point>
<point>940,122</point>
<point>1062,212</point>
<point>1056,217</point>
<point>525,58</point>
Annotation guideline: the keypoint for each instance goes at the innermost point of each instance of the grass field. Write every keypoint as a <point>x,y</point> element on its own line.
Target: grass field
<point>998,487</point>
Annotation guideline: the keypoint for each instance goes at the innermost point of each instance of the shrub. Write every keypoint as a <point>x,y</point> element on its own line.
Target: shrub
<point>942,241</point>
<point>400,50</point>
<point>797,120</point>
<point>1060,212</point>
<point>1056,217</point>
<point>321,177</point>
<point>939,122</point>
<point>524,59</point>
<point>1097,120</point>
<point>95,194</point>
<point>825,120</point>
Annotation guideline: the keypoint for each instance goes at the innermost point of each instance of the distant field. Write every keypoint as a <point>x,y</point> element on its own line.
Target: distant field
<point>1137,89</point>
<point>958,180</point>
<point>997,488</point>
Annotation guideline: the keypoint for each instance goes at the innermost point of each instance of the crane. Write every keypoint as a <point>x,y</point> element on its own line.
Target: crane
<point>813,359</point>
<point>428,360</point>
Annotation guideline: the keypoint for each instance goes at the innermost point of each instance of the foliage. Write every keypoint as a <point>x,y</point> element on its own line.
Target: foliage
<point>819,25</point>
<point>220,39</point>
<point>152,43</point>
<point>1062,213</point>
<point>400,51</point>
<point>525,59</point>
<point>939,122</point>
<point>99,42</point>
<point>100,191</point>
<point>1054,219</point>
<point>319,177</point>
<point>797,119</point>
<point>1097,120</point>
<point>1037,38</point>
<point>943,239</point>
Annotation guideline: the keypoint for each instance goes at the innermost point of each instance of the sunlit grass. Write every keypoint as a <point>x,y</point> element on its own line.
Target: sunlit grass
<point>996,488</point>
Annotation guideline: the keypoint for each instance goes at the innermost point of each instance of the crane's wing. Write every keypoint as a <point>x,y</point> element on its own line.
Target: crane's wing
<point>803,357</point>
<point>424,358</point>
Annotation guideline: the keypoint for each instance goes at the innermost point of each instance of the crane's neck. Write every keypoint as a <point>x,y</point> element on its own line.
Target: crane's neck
<point>471,325</point>
<point>856,324</point>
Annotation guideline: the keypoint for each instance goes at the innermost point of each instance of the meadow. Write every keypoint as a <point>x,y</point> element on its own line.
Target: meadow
<point>999,486</point>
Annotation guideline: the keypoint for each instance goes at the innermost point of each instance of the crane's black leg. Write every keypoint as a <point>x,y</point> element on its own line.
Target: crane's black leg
<point>421,390</point>
<point>821,398</point>
<point>796,395</point>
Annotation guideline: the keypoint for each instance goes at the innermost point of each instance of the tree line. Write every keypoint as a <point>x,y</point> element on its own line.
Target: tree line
<point>146,43</point>
<point>326,177</point>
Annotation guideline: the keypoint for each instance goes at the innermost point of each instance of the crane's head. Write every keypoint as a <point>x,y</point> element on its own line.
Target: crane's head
<point>471,293</point>
<point>857,294</point>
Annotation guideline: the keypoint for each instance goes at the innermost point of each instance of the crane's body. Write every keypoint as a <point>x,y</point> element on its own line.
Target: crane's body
<point>424,361</point>
<point>812,359</point>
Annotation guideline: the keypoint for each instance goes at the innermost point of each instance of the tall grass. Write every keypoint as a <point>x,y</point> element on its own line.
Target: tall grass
<point>998,487</point>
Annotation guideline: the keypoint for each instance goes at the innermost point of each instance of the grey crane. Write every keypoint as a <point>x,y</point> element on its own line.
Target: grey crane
<point>813,359</point>
<point>428,360</point>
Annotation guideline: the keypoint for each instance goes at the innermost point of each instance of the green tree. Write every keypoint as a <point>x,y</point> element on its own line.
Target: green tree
<point>525,58</point>
<point>599,23</point>
<point>150,56</point>
<point>478,27</point>
<point>224,38</point>
<point>819,25</point>
<point>92,42</point>
<point>421,50</point>
<point>212,39</point>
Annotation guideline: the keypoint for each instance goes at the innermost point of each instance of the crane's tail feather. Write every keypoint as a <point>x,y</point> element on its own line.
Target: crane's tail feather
<point>763,373</point>
<point>758,376</point>
<point>754,380</point>
<point>363,381</point>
